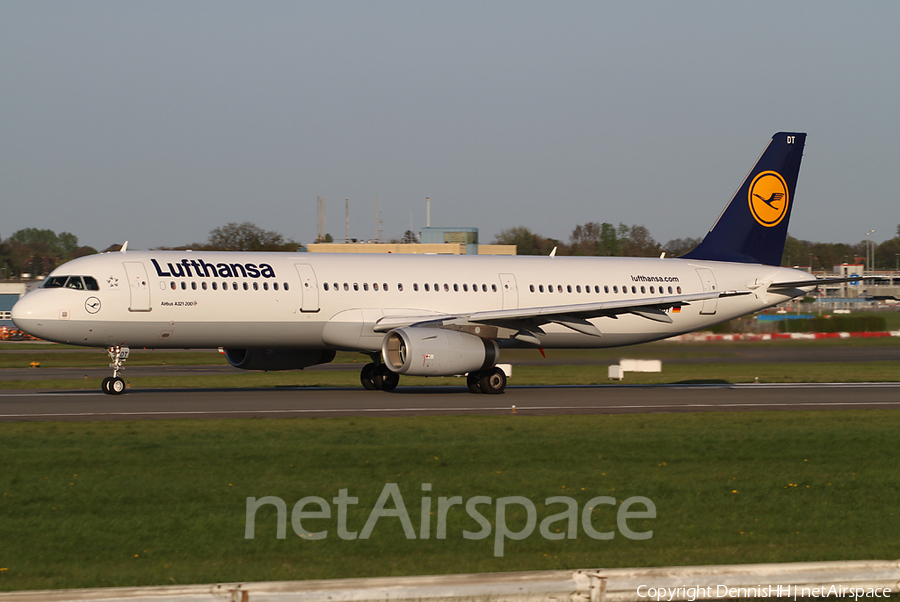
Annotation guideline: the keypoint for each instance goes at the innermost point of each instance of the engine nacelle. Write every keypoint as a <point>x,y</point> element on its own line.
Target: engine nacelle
<point>437,352</point>
<point>277,359</point>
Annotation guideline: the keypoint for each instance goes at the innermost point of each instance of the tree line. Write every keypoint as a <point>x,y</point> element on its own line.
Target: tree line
<point>37,252</point>
<point>604,239</point>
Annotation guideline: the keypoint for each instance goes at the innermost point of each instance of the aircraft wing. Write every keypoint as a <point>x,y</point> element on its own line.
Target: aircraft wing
<point>529,320</point>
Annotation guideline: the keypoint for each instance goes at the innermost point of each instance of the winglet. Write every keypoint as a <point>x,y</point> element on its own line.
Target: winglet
<point>753,227</point>
<point>553,252</point>
<point>124,247</point>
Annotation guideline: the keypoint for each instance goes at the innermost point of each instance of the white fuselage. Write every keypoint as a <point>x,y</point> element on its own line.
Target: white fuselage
<point>179,299</point>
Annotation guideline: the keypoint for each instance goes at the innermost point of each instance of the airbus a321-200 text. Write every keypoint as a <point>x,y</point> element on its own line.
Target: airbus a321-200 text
<point>424,315</point>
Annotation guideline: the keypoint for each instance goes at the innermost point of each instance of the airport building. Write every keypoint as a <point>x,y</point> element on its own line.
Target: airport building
<point>432,241</point>
<point>10,292</point>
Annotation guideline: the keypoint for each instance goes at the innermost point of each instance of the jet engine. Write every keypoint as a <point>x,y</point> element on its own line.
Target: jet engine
<point>277,359</point>
<point>437,352</point>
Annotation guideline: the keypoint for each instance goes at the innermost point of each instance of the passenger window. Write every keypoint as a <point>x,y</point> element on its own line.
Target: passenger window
<point>266,285</point>
<point>275,286</point>
<point>173,285</point>
<point>605,288</point>
<point>245,286</point>
<point>234,286</point>
<point>541,288</point>
<point>325,286</point>
<point>559,287</point>
<point>256,286</point>
<point>597,288</point>
<point>346,287</point>
<point>466,288</point>
<point>494,287</point>
<point>578,288</point>
<point>375,286</point>
<point>286,286</point>
<point>356,286</point>
<point>183,285</point>
<point>399,286</point>
<point>427,287</point>
<point>569,288</point>
<point>679,290</point>
<point>455,288</point>
<point>365,286</point>
<point>634,289</point>
<point>203,285</point>
<point>215,286</point>
<point>193,285</point>
<point>549,288</point>
<point>531,287</point>
<point>651,290</point>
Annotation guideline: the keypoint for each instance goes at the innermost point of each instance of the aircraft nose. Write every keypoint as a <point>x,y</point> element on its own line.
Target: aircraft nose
<point>29,313</point>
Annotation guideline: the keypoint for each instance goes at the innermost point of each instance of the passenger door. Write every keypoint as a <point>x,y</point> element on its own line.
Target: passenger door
<point>309,288</point>
<point>138,286</point>
<point>708,280</point>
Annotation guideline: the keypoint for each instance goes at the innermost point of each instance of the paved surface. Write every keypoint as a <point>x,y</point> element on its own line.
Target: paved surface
<point>414,401</point>
<point>669,354</point>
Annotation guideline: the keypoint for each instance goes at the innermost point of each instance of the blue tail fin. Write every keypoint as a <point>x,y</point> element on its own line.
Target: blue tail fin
<point>753,227</point>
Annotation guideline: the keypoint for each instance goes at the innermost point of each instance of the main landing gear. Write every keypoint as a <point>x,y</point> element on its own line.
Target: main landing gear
<point>377,377</point>
<point>115,385</point>
<point>490,382</point>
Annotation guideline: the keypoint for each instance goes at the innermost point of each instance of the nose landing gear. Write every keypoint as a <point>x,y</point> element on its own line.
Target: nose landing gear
<point>115,385</point>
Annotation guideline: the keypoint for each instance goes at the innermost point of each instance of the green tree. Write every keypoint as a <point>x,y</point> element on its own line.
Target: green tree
<point>247,237</point>
<point>679,246</point>
<point>638,242</point>
<point>527,242</point>
<point>36,251</point>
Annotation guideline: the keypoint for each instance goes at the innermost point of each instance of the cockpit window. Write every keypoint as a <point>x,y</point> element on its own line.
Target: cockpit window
<point>54,282</point>
<point>77,283</point>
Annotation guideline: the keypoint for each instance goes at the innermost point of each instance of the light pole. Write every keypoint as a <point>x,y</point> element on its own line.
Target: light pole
<point>868,240</point>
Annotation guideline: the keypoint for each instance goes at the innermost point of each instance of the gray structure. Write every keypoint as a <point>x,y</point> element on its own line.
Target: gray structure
<point>463,236</point>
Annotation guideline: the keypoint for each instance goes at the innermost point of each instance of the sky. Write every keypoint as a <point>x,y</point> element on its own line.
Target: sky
<point>155,122</point>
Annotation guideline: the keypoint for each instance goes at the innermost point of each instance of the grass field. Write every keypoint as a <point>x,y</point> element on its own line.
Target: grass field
<point>126,503</point>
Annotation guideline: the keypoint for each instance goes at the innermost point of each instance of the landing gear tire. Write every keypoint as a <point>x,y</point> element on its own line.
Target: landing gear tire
<point>493,381</point>
<point>385,380</point>
<point>472,379</point>
<point>104,386</point>
<point>116,386</point>
<point>367,377</point>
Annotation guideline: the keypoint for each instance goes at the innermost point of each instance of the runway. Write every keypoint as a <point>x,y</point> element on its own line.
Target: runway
<point>147,404</point>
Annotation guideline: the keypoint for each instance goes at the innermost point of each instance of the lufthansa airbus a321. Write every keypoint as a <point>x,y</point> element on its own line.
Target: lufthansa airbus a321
<point>424,315</point>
